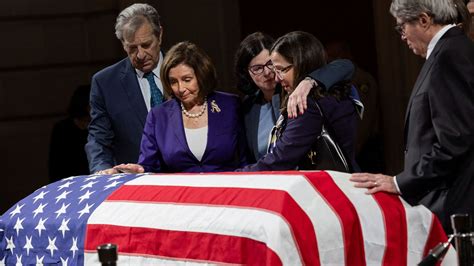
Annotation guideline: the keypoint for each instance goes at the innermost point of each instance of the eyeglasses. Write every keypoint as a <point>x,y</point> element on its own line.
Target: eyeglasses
<point>400,28</point>
<point>258,69</point>
<point>281,71</point>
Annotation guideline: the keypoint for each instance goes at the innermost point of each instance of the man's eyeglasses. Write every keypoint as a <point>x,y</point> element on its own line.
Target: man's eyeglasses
<point>258,69</point>
<point>400,28</point>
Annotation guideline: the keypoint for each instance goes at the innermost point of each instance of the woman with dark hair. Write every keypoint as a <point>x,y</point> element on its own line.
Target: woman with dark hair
<point>293,56</point>
<point>255,79</point>
<point>198,129</point>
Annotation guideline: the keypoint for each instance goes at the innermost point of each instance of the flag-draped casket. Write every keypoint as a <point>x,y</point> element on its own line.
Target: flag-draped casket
<point>266,218</point>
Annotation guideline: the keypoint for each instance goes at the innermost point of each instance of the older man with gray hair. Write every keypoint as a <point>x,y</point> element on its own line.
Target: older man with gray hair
<point>122,94</point>
<point>439,132</point>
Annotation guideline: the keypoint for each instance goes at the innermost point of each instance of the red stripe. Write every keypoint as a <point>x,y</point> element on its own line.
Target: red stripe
<point>203,247</point>
<point>395,221</point>
<point>436,236</point>
<point>343,207</point>
<point>275,201</point>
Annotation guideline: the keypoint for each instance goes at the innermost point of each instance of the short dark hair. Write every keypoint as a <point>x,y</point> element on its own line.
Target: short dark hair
<point>250,47</point>
<point>301,49</point>
<point>191,55</point>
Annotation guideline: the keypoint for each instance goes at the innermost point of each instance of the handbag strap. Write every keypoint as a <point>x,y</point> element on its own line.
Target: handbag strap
<point>326,128</point>
<point>325,121</point>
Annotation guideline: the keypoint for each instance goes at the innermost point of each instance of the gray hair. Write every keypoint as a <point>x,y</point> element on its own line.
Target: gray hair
<point>443,12</point>
<point>134,16</point>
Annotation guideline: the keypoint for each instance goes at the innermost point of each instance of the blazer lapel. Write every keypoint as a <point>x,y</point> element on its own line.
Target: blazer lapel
<point>132,89</point>
<point>212,121</point>
<point>253,118</point>
<point>276,106</point>
<point>177,126</point>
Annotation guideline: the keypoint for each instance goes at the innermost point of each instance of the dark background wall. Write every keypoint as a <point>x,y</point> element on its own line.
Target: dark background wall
<point>351,21</point>
<point>49,47</point>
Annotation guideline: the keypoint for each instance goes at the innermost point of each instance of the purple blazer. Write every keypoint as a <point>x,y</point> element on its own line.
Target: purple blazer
<point>164,147</point>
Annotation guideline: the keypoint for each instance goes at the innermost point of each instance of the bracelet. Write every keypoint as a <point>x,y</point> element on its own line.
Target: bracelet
<point>313,82</point>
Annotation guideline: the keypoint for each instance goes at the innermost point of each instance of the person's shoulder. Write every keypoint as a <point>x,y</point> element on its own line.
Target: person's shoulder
<point>328,102</point>
<point>313,103</point>
<point>224,96</point>
<point>456,39</point>
<point>458,50</point>
<point>112,69</point>
<point>165,107</point>
<point>171,103</point>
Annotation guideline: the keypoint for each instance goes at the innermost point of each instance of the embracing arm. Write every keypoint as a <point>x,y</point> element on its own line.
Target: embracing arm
<point>326,76</point>
<point>334,72</point>
<point>99,147</point>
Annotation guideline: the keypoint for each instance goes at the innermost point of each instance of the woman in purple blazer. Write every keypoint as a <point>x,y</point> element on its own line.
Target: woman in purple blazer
<point>198,129</point>
<point>293,57</point>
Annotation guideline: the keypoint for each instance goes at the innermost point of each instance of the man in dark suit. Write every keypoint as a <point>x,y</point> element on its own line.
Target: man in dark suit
<point>122,94</point>
<point>439,132</point>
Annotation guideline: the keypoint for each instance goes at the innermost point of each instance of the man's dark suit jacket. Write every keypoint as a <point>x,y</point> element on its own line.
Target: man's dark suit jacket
<point>118,113</point>
<point>439,131</point>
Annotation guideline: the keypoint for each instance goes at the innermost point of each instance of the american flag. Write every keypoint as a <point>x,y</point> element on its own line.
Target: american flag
<point>268,218</point>
<point>48,227</point>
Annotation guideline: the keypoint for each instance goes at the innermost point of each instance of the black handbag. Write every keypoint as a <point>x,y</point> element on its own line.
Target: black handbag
<point>325,153</point>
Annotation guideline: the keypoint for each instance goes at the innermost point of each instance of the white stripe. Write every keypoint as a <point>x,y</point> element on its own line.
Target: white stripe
<point>326,223</point>
<point>254,224</point>
<point>91,258</point>
<point>418,228</point>
<point>419,220</point>
<point>370,216</point>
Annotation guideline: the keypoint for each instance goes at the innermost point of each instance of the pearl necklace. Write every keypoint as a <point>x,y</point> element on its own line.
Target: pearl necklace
<point>191,115</point>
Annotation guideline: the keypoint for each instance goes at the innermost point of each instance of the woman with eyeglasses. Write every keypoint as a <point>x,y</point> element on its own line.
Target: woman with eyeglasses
<point>293,57</point>
<point>256,79</point>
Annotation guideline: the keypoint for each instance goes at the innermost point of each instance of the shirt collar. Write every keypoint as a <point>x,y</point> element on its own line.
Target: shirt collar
<point>437,37</point>
<point>155,71</point>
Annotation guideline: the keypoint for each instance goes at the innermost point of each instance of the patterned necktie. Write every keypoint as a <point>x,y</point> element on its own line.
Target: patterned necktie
<point>156,95</point>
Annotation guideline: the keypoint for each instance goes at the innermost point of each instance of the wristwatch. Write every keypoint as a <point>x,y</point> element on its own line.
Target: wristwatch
<point>313,82</point>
